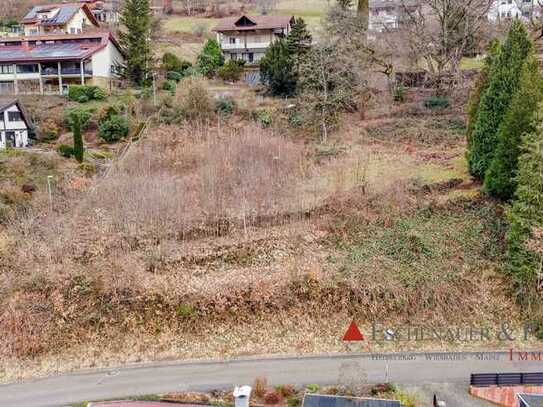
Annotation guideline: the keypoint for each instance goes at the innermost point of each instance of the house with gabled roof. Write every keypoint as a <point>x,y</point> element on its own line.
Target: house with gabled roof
<point>49,64</point>
<point>15,125</point>
<point>248,37</point>
<point>67,18</point>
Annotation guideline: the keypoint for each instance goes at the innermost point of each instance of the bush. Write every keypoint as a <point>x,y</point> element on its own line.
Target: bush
<point>171,63</point>
<point>273,397</point>
<point>197,104</point>
<point>263,117</point>
<point>399,93</point>
<point>313,388</point>
<point>174,76</point>
<point>436,102</point>
<point>88,168</point>
<point>211,59</point>
<point>295,119</point>
<point>113,128</point>
<point>49,130</point>
<point>169,86</point>
<point>84,93</point>
<point>65,150</point>
<point>231,71</point>
<point>225,106</point>
<point>99,93</point>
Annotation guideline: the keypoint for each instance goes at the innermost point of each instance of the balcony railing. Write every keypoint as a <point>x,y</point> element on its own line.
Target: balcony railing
<point>65,71</point>
<point>243,45</point>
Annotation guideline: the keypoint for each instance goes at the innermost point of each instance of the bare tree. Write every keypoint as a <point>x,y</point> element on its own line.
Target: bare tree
<point>437,33</point>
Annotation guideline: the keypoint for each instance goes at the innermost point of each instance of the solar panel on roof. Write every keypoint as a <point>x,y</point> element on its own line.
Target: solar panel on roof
<point>318,400</point>
<point>44,51</point>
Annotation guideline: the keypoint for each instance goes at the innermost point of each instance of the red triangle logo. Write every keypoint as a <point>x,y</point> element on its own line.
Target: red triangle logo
<point>353,333</point>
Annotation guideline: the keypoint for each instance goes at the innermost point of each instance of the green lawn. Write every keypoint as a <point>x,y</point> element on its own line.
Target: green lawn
<point>190,24</point>
<point>471,63</point>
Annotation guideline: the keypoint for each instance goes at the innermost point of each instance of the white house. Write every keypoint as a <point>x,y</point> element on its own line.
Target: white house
<point>386,15</point>
<point>15,125</point>
<point>248,37</point>
<point>67,18</point>
<point>50,64</point>
<point>508,9</point>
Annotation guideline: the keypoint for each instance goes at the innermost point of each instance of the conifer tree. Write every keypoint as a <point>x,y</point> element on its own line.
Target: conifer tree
<point>210,59</point>
<point>277,69</point>
<point>500,179</point>
<point>299,42</point>
<point>77,120</point>
<point>525,262</point>
<point>495,101</point>
<point>135,40</point>
<point>480,87</point>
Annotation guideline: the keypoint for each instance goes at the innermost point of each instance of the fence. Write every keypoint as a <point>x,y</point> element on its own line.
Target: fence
<point>506,379</point>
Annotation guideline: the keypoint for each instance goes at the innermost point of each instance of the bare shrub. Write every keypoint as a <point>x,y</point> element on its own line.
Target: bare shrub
<point>259,387</point>
<point>195,100</point>
<point>183,180</point>
<point>273,397</point>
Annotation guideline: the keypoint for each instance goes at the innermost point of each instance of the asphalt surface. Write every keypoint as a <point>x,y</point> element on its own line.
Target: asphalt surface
<point>415,369</point>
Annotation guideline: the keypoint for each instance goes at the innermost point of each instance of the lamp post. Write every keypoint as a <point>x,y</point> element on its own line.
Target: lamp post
<point>49,178</point>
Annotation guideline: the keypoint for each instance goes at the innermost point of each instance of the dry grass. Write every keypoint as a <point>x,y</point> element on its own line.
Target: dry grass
<point>239,232</point>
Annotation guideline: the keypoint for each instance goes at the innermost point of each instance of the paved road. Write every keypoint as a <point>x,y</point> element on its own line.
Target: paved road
<point>406,368</point>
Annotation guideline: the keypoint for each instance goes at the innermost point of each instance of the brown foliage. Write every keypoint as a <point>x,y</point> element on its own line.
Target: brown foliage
<point>259,387</point>
<point>273,397</point>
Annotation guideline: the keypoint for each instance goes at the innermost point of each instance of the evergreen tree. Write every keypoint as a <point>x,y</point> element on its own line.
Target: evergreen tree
<point>480,87</point>
<point>210,59</point>
<point>495,101</point>
<point>299,42</point>
<point>277,69</point>
<point>135,40</point>
<point>526,215</point>
<point>500,177</point>
<point>77,120</point>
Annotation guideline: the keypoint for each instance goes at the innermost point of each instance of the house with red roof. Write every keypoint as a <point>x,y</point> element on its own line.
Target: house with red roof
<point>248,37</point>
<point>67,18</point>
<point>49,64</point>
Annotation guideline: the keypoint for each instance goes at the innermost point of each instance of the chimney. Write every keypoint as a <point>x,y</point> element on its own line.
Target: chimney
<point>242,396</point>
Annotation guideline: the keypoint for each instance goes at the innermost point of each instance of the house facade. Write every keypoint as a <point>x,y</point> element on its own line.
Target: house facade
<point>387,15</point>
<point>14,125</point>
<point>63,18</point>
<point>50,64</point>
<point>248,37</point>
<point>508,9</point>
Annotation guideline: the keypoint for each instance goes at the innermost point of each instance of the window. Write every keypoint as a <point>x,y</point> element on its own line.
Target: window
<point>15,116</point>
<point>27,68</point>
<point>6,69</point>
<point>232,40</point>
<point>73,30</point>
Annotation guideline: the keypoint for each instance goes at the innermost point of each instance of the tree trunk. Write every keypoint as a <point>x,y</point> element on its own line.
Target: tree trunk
<point>364,12</point>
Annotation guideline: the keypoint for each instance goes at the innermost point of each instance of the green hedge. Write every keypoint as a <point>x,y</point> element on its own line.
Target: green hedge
<point>84,93</point>
<point>65,150</point>
<point>113,128</point>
